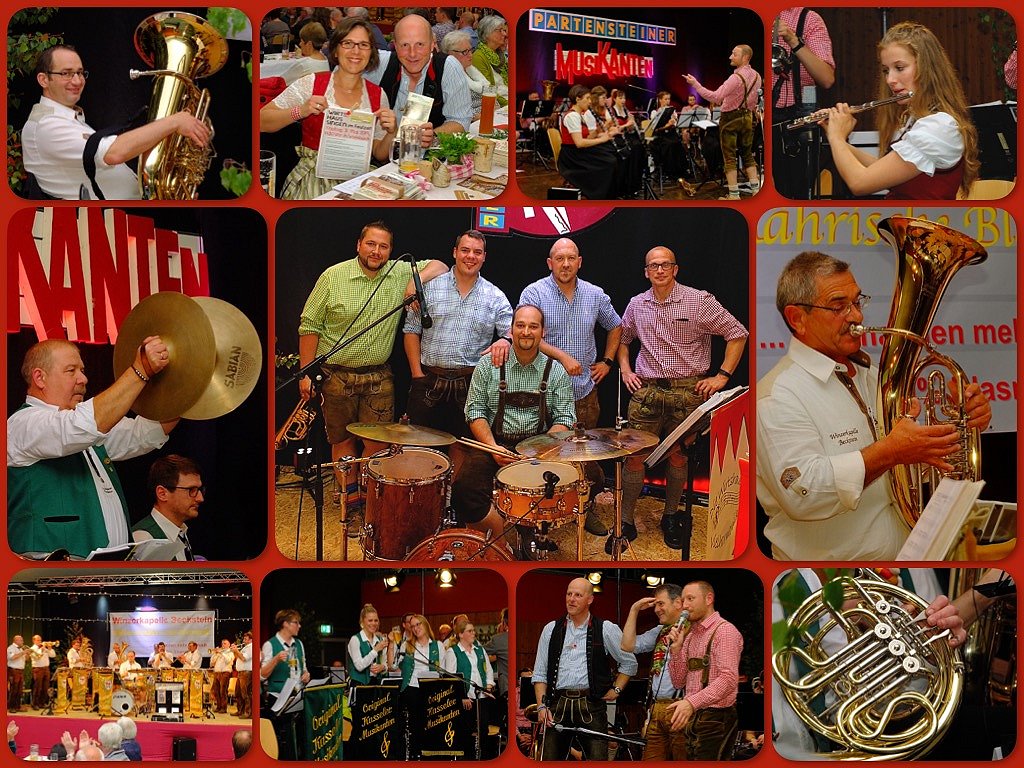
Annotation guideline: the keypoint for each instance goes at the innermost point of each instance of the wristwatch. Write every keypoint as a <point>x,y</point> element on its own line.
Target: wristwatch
<point>798,46</point>
<point>609,362</point>
<point>616,689</point>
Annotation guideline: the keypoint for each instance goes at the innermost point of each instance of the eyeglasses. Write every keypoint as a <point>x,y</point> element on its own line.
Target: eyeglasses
<point>462,52</point>
<point>193,490</point>
<point>348,45</point>
<point>660,266</point>
<point>843,310</point>
<point>70,74</point>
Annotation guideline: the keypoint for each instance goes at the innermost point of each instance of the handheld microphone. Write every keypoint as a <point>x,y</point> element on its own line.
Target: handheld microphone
<point>550,481</point>
<point>682,619</point>
<point>425,320</point>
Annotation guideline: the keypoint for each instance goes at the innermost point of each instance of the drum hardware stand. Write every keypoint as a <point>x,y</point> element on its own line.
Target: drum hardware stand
<point>316,376</point>
<point>48,709</point>
<point>343,465</point>
<point>312,477</point>
<point>620,542</point>
<point>514,524</point>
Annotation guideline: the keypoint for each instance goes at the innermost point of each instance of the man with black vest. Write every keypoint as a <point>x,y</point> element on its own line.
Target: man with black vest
<point>414,68</point>
<point>571,675</point>
<point>177,490</point>
<point>283,658</point>
<point>62,489</point>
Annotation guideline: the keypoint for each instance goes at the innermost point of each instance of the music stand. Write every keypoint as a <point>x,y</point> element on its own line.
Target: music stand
<point>535,111</point>
<point>634,694</point>
<point>997,139</point>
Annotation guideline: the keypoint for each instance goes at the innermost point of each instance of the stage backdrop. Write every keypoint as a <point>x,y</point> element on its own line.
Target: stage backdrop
<point>143,630</point>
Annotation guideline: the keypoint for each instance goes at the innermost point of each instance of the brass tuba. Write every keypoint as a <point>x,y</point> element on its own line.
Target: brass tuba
<point>181,48</point>
<point>928,256</point>
<point>869,675</point>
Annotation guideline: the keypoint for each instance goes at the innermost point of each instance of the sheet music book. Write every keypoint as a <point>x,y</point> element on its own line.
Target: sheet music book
<point>346,140</point>
<point>151,549</point>
<point>717,400</point>
<point>939,527</point>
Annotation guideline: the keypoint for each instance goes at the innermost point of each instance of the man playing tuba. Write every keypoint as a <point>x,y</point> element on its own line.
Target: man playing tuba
<point>56,138</point>
<point>821,465</point>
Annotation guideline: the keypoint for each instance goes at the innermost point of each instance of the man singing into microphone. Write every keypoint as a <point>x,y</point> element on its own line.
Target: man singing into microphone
<point>663,743</point>
<point>347,298</point>
<point>457,323</point>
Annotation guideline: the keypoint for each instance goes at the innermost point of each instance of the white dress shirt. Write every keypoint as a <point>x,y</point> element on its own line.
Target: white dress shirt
<point>53,142</point>
<point>810,471</point>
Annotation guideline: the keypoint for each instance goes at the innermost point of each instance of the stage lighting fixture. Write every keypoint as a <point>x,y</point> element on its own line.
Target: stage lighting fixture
<point>653,580</point>
<point>393,581</point>
<point>444,578</point>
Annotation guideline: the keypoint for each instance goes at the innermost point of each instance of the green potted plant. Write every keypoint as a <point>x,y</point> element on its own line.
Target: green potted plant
<point>456,150</point>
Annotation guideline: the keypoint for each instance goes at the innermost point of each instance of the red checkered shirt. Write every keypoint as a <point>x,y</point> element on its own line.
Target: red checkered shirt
<point>724,674</point>
<point>675,335</point>
<point>731,93</point>
<point>816,38</point>
<point>1010,70</point>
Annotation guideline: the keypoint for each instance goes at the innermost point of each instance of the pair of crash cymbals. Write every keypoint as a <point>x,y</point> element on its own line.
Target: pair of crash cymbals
<point>215,356</point>
<point>586,445</point>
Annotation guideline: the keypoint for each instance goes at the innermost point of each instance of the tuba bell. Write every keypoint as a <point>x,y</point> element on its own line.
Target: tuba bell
<point>868,674</point>
<point>928,256</point>
<point>181,48</point>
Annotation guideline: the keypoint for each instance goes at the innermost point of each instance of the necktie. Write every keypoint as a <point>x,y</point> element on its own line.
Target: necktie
<point>183,538</point>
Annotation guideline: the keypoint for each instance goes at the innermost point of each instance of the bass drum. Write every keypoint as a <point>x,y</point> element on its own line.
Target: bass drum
<point>458,544</point>
<point>122,702</point>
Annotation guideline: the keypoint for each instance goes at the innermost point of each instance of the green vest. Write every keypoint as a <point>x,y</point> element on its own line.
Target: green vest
<point>362,676</point>
<point>53,504</point>
<point>462,665</point>
<point>281,673</point>
<point>150,526</point>
<point>409,662</point>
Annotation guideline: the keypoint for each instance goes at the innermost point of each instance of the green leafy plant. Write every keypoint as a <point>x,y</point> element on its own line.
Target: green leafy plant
<point>24,45</point>
<point>1000,25</point>
<point>452,147</point>
<point>791,593</point>
<point>227,21</point>
<point>499,134</point>
<point>235,177</point>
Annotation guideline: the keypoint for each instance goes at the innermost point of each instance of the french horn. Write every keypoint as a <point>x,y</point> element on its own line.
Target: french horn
<point>870,675</point>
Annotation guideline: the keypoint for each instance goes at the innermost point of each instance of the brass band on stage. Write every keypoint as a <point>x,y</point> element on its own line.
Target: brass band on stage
<point>103,689</point>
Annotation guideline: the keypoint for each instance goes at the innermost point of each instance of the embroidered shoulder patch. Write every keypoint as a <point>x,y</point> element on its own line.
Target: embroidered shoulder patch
<point>789,476</point>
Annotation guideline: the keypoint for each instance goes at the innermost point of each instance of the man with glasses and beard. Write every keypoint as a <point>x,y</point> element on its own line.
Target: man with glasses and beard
<point>59,147</point>
<point>177,489</point>
<point>674,324</point>
<point>821,467</point>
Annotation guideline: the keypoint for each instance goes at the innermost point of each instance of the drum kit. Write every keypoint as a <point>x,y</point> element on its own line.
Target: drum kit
<point>407,487</point>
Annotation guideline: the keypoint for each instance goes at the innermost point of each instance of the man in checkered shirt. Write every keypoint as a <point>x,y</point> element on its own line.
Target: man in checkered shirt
<point>674,324</point>
<point>466,311</point>
<point>796,92</point>
<point>358,385</point>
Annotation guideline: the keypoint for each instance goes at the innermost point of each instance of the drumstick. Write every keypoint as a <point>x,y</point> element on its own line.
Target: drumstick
<point>496,450</point>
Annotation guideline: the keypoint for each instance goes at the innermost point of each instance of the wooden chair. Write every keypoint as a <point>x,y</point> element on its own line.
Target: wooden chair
<point>268,739</point>
<point>988,189</point>
<point>555,137</point>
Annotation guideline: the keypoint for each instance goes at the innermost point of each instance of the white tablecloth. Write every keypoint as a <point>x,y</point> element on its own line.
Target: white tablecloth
<point>290,69</point>
<point>343,190</point>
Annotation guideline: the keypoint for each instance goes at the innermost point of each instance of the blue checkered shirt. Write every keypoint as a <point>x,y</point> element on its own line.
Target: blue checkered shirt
<point>463,327</point>
<point>569,326</point>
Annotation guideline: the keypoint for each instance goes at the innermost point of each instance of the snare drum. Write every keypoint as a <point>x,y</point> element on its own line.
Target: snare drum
<point>457,544</point>
<point>519,492</point>
<point>405,498</point>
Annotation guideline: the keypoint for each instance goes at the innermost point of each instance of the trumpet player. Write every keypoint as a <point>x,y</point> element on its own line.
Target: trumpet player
<point>41,653</point>
<point>243,684</point>
<point>192,658</point>
<point>68,159</point>
<point>221,661</point>
<point>160,659</point>
<point>177,488</point>
<point>60,446</point>
<point>821,468</point>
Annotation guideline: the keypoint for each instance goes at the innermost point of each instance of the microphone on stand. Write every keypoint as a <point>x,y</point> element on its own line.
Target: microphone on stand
<point>425,320</point>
